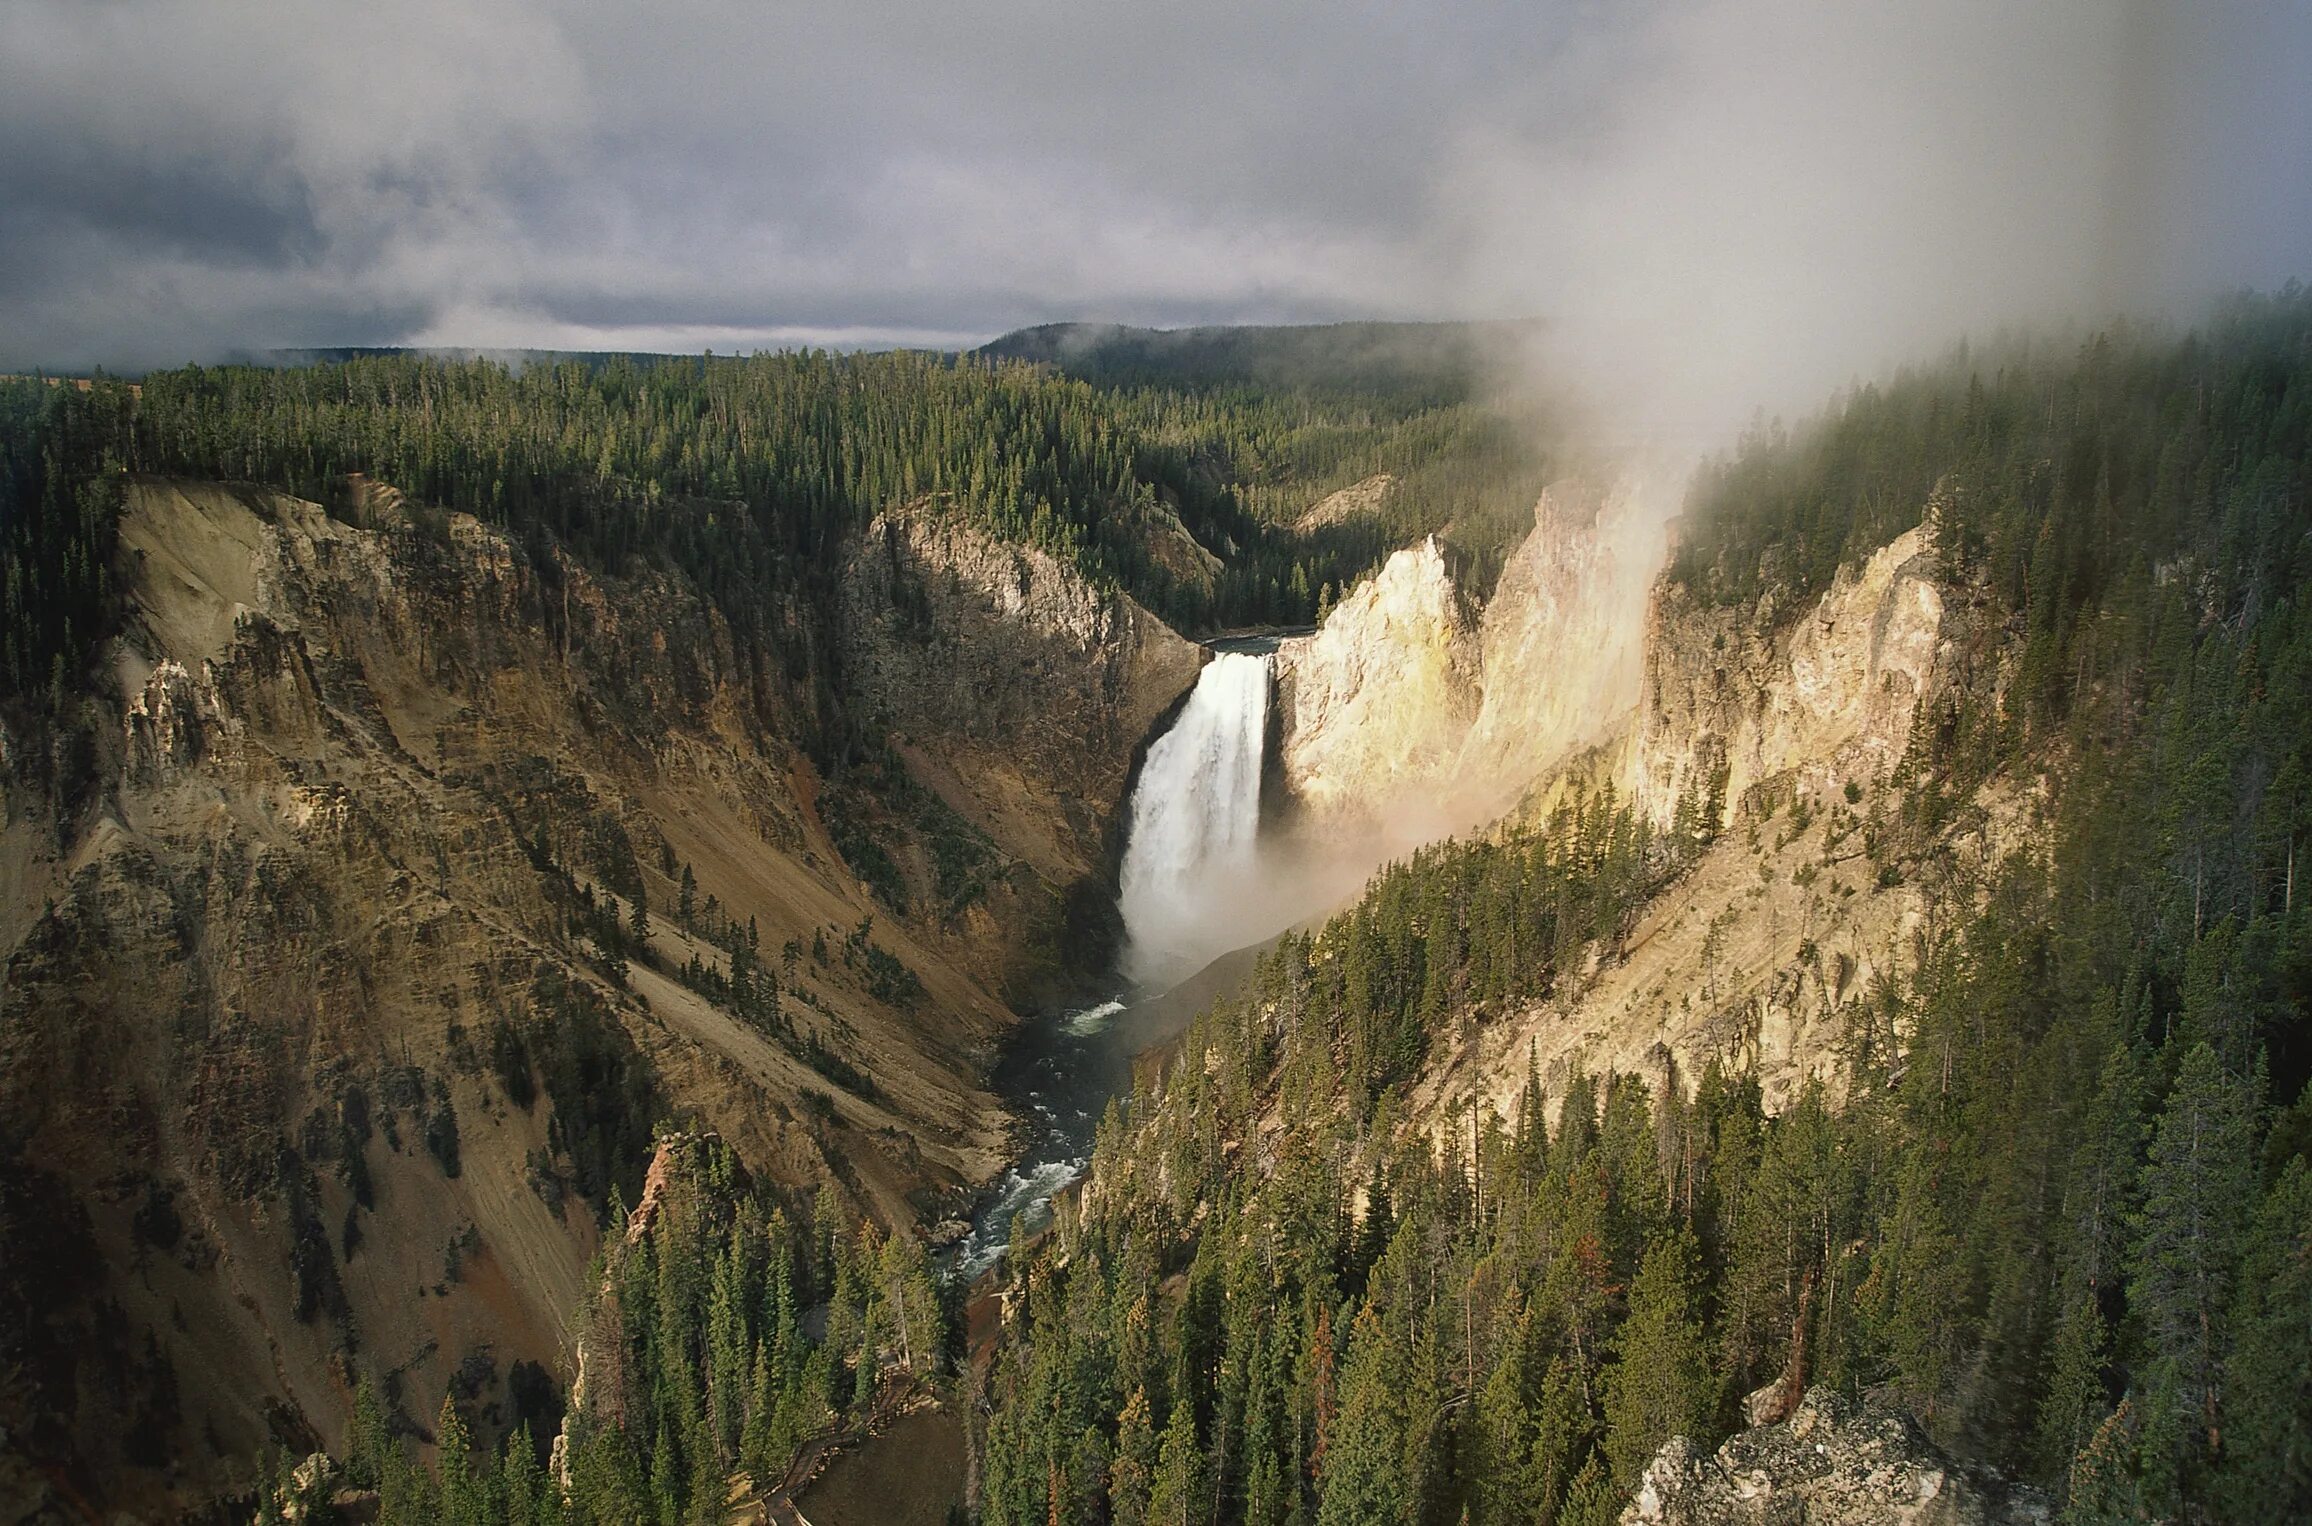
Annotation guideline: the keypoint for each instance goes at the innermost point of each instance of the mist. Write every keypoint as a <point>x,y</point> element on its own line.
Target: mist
<point>1731,211</point>
<point>1741,206</point>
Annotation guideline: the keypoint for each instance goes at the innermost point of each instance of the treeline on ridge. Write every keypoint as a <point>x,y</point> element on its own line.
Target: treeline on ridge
<point>746,474</point>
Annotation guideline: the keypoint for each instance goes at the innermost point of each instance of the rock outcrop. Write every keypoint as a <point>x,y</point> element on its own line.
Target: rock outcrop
<point>1402,720</point>
<point>1734,697</point>
<point>1560,642</point>
<point>1832,1463</point>
<point>1375,704</point>
<point>1774,735</point>
<point>1778,740</point>
<point>1356,501</point>
<point>1031,687</point>
<point>1402,703</point>
<point>1400,697</point>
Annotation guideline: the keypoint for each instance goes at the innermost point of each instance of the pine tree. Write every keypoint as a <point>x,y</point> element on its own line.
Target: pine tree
<point>2267,1438</point>
<point>756,1453</point>
<point>1500,1437</point>
<point>1661,1386</point>
<point>1181,1494</point>
<point>368,1440</point>
<point>2105,1489</point>
<point>1592,1500</point>
<point>1134,1472</point>
<point>462,1492</point>
<point>524,1485</point>
<point>1563,1426</point>
<point>1364,1475</point>
<point>407,1492</point>
<point>2188,1233</point>
<point>2074,1406</point>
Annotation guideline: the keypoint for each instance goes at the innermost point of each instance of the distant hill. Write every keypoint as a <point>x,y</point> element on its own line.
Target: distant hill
<point>1433,362</point>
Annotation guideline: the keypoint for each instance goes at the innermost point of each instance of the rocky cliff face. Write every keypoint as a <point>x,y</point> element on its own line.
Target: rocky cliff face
<point>1781,741</point>
<point>1375,704</point>
<point>1779,738</point>
<point>310,1043</point>
<point>1033,686</point>
<point>1400,694</point>
<point>1731,698</point>
<point>1402,703</point>
<point>1561,641</point>
<point>1832,1463</point>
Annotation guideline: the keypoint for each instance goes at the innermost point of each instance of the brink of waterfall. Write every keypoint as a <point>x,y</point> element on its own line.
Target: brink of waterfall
<point>1195,821</point>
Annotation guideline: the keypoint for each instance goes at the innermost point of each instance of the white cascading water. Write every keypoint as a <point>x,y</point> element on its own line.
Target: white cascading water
<point>1188,891</point>
<point>1195,818</point>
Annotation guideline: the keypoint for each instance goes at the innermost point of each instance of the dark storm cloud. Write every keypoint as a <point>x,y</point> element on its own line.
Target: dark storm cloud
<point>1712,178</point>
<point>248,209</point>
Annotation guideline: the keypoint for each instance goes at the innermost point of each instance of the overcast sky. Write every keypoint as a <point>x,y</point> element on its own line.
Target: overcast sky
<point>1716,198</point>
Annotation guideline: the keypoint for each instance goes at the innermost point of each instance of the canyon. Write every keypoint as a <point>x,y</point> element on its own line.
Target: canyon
<point>314,1046</point>
<point>1780,736</point>
<point>355,807</point>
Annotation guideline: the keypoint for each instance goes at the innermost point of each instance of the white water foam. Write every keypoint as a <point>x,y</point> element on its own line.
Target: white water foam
<point>1195,818</point>
<point>1027,1195</point>
<point>1092,1019</point>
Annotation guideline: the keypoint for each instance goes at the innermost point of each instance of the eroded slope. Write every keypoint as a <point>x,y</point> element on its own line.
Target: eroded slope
<point>412,880</point>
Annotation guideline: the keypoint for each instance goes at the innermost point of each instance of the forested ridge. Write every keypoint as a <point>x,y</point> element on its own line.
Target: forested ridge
<point>747,473</point>
<point>2063,1213</point>
<point>723,1338</point>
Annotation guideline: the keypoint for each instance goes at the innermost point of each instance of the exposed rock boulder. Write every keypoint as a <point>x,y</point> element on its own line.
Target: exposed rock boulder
<point>1832,1463</point>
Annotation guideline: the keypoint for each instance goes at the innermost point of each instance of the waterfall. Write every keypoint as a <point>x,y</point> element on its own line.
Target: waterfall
<point>1195,817</point>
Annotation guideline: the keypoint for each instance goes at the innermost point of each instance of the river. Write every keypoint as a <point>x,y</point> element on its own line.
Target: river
<point>1190,855</point>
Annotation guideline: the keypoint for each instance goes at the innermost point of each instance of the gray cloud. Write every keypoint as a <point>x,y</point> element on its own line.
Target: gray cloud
<point>1783,197</point>
<point>1718,202</point>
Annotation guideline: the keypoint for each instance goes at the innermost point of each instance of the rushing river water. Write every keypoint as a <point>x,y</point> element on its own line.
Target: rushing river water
<point>1195,817</point>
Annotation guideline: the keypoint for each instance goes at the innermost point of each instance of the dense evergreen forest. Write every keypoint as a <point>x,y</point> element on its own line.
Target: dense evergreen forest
<point>1430,364</point>
<point>1435,404</point>
<point>747,474</point>
<point>722,1339</point>
<point>2064,1211</point>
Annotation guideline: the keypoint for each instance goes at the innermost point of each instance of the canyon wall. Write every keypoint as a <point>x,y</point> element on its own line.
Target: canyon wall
<point>1773,739</point>
<point>312,1042</point>
<point>1374,705</point>
<point>1012,685</point>
<point>1404,705</point>
<point>1826,698</point>
<point>1562,641</point>
<point>1782,747</point>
